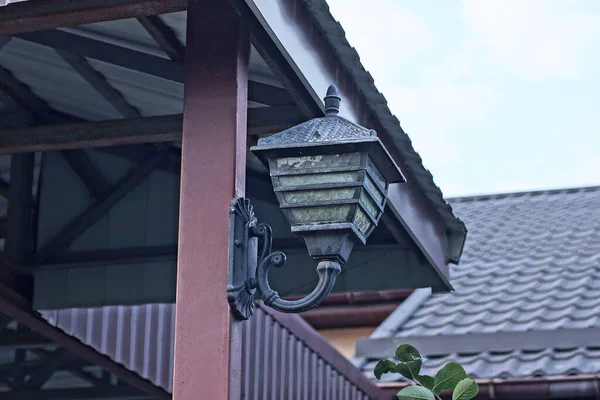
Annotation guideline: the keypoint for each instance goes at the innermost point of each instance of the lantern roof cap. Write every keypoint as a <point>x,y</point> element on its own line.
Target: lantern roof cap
<point>331,128</point>
<point>330,134</point>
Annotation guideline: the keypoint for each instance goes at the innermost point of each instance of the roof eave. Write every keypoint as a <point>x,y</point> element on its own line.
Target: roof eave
<point>376,102</point>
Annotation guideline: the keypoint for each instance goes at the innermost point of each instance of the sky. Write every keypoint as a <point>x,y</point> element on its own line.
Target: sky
<point>496,95</point>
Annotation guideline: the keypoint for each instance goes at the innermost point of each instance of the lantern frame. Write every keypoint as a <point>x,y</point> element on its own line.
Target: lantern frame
<point>310,164</point>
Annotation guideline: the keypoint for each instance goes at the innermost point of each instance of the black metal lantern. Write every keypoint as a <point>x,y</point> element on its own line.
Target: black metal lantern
<point>331,178</point>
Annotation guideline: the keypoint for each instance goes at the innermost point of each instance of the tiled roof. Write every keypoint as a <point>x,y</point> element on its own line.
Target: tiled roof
<point>531,263</point>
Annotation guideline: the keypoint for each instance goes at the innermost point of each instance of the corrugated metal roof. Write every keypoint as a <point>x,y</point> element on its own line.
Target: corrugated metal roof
<point>277,362</point>
<point>139,337</point>
<point>54,81</point>
<point>532,263</point>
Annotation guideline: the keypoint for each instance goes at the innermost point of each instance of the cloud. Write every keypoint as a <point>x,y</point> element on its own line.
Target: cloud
<point>429,86</point>
<point>534,39</point>
<point>385,34</point>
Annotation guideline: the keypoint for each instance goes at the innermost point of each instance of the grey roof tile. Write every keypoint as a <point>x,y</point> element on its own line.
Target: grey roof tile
<point>531,262</point>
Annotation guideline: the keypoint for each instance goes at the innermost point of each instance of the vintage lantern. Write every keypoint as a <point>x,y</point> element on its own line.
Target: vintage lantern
<point>331,178</point>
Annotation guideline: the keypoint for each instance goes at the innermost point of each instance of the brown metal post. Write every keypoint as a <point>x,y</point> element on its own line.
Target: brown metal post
<point>212,173</point>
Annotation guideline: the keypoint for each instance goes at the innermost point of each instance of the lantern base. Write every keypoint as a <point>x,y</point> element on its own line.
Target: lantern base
<point>329,246</point>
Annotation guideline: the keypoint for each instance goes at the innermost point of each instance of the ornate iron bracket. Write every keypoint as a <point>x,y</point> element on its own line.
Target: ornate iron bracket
<point>250,258</point>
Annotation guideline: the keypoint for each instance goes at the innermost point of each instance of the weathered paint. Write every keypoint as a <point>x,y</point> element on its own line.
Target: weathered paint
<point>212,173</point>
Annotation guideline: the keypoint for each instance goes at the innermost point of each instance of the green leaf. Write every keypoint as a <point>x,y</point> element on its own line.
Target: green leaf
<point>465,390</point>
<point>406,352</point>
<point>410,361</point>
<point>426,380</point>
<point>409,369</point>
<point>383,367</point>
<point>448,377</point>
<point>415,393</point>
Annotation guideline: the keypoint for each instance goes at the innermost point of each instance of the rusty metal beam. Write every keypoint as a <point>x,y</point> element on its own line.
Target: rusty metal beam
<point>23,340</point>
<point>216,101</point>
<point>163,36</point>
<point>90,134</point>
<point>49,14</point>
<point>165,128</point>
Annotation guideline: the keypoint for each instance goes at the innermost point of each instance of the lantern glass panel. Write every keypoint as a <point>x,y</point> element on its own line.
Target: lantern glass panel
<point>313,179</point>
<point>291,164</point>
<point>366,201</point>
<point>318,195</point>
<point>321,214</point>
<point>376,174</point>
<point>375,191</point>
<point>362,221</point>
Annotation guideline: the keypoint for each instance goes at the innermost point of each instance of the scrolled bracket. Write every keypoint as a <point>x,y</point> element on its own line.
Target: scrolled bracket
<point>250,260</point>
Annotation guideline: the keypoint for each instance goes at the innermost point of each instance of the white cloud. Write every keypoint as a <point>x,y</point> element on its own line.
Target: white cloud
<point>385,34</point>
<point>535,39</point>
<point>433,102</point>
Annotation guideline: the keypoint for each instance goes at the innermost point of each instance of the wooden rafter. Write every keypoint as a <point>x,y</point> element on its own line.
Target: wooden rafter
<point>91,134</point>
<point>163,36</point>
<point>99,83</point>
<point>77,45</point>
<point>23,95</point>
<point>130,131</point>
<point>49,14</point>
<point>12,339</point>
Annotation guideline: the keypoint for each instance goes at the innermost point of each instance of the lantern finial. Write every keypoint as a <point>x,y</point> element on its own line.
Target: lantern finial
<point>332,101</point>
